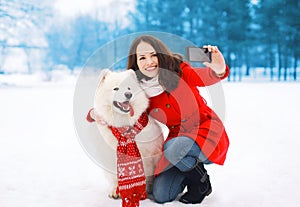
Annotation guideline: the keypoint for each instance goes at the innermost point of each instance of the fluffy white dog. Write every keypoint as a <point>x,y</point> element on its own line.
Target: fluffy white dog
<point>120,101</point>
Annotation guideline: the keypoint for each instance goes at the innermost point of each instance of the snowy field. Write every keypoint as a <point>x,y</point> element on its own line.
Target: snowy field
<point>42,163</point>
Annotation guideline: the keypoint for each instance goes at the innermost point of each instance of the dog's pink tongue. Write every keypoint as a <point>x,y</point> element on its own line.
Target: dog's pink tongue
<point>131,111</point>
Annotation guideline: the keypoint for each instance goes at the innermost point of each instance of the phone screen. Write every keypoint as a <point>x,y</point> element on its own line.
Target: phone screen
<point>198,54</point>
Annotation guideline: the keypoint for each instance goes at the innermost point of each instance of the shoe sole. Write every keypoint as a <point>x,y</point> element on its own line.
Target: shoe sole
<point>196,202</point>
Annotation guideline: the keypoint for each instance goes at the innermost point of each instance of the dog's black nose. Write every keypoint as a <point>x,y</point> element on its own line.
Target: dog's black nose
<point>128,95</point>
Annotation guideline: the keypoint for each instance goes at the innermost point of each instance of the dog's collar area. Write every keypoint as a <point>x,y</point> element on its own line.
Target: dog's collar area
<point>136,128</point>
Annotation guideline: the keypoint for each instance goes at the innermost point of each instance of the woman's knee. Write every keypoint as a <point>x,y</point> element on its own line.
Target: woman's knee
<point>168,185</point>
<point>161,191</point>
<point>160,196</point>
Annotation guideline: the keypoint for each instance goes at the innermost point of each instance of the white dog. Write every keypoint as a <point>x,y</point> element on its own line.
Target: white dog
<point>120,101</point>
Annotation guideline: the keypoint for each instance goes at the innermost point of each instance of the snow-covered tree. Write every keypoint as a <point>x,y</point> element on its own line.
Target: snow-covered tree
<point>22,40</point>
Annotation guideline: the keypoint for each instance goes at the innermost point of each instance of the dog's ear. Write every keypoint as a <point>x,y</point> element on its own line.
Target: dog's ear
<point>103,74</point>
<point>132,72</point>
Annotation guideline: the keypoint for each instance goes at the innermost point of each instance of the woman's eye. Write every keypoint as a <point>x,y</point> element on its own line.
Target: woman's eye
<point>142,58</point>
<point>116,89</point>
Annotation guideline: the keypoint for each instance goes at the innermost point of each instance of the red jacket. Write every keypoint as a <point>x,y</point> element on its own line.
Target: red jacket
<point>185,113</point>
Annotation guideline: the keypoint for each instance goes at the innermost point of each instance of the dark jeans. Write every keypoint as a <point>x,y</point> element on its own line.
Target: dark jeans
<point>182,152</point>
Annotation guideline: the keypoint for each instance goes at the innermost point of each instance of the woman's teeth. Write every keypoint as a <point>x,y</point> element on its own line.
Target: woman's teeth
<point>151,68</point>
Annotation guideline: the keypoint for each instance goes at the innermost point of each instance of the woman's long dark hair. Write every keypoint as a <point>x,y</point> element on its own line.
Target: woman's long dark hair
<point>168,63</point>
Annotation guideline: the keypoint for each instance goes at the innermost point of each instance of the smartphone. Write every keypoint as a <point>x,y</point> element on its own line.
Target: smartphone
<point>198,54</point>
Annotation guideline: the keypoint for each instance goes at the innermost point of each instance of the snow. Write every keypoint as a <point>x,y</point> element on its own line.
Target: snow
<point>42,163</point>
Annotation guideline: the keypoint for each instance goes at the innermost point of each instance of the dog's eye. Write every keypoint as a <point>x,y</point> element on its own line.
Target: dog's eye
<point>128,88</point>
<point>116,89</point>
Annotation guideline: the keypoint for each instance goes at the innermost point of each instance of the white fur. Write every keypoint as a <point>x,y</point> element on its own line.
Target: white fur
<point>149,140</point>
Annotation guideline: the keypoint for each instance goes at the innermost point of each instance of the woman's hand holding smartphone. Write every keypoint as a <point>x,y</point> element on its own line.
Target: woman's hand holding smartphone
<point>210,56</point>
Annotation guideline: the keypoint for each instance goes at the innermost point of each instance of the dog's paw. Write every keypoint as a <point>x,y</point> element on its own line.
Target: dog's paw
<point>114,195</point>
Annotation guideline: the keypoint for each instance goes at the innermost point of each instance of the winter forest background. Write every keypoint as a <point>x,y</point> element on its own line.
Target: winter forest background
<point>259,39</point>
<point>46,44</point>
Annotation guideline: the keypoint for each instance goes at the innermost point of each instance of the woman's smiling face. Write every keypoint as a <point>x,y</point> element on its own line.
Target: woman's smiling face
<point>147,60</point>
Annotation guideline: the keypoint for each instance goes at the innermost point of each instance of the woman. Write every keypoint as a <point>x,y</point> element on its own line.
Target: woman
<point>196,134</point>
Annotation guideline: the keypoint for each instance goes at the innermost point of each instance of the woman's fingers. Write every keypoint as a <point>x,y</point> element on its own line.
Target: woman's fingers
<point>211,48</point>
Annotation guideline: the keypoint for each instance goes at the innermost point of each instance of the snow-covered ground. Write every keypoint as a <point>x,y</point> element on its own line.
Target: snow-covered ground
<point>42,163</point>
